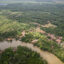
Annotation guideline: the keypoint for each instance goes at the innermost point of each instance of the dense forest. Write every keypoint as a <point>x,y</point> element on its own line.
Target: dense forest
<point>40,13</point>
<point>41,22</point>
<point>20,56</point>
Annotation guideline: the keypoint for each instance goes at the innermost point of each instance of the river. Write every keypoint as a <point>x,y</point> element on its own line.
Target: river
<point>50,58</point>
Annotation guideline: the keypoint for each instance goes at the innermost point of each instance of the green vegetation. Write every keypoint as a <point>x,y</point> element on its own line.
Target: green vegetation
<point>52,47</point>
<point>29,37</point>
<point>21,56</point>
<point>10,28</point>
<point>45,44</point>
<point>16,18</point>
<point>36,12</point>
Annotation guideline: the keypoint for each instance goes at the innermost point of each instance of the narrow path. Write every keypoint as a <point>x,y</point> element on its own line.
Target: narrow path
<point>50,58</point>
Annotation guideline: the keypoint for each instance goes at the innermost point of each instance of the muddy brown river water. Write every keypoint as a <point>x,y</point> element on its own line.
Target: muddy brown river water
<point>50,58</point>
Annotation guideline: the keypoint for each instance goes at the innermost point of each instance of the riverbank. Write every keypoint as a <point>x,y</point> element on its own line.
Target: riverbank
<point>50,58</point>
